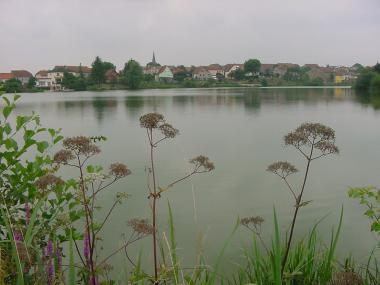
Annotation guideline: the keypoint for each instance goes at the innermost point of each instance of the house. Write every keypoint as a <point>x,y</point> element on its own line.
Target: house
<point>111,76</point>
<point>22,75</point>
<point>75,70</point>
<point>325,73</point>
<point>43,79</point>
<point>201,73</point>
<point>164,74</point>
<point>215,69</point>
<point>229,68</point>
<point>266,69</point>
<point>281,68</point>
<point>6,76</point>
<point>311,65</point>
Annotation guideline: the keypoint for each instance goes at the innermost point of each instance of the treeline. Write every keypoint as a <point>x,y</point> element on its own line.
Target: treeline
<point>368,81</point>
<point>130,77</point>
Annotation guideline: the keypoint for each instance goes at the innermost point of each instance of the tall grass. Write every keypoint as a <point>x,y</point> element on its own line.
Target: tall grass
<point>309,261</point>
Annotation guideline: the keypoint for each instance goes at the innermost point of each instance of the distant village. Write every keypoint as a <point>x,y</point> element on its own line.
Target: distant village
<point>51,79</point>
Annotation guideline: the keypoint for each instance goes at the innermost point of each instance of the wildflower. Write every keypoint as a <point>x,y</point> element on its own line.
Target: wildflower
<point>17,236</point>
<point>81,145</point>
<point>94,281</point>
<point>202,161</point>
<point>282,168</point>
<point>119,170</point>
<point>86,246</point>
<point>63,156</point>
<point>141,226</point>
<point>168,131</point>
<point>47,180</point>
<point>27,213</point>
<point>50,272</point>
<point>254,221</point>
<point>314,135</point>
<point>151,120</point>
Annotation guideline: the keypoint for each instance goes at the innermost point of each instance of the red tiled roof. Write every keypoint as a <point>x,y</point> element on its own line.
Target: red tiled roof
<point>72,68</point>
<point>228,67</point>
<point>6,76</point>
<point>43,73</point>
<point>21,73</point>
<point>214,66</point>
<point>266,66</point>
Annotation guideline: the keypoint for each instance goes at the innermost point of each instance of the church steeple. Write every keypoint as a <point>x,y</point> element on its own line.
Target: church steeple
<point>153,63</point>
<point>154,59</point>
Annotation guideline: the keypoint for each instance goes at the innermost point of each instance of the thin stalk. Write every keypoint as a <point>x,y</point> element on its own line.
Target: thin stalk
<point>154,212</point>
<point>87,220</point>
<point>298,202</point>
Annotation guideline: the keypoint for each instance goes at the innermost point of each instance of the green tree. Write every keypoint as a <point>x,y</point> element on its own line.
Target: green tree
<point>376,68</point>
<point>238,74</point>
<point>98,72</point>
<point>374,87</point>
<point>132,74</point>
<point>32,82</point>
<point>13,85</point>
<point>72,82</point>
<point>364,80</point>
<point>108,65</point>
<point>252,65</point>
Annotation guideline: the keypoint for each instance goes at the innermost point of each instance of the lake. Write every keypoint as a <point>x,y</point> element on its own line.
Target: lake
<point>241,130</point>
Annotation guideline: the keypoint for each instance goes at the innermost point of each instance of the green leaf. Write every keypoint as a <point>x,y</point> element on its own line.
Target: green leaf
<point>7,110</point>
<point>16,97</point>
<point>6,101</point>
<point>20,121</point>
<point>57,139</point>
<point>42,146</point>
<point>7,128</point>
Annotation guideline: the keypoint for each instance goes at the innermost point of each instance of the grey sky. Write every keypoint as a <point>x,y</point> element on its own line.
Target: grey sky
<point>38,34</point>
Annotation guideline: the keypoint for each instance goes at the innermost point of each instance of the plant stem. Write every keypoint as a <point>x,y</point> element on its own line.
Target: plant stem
<point>92,273</point>
<point>154,213</point>
<point>298,202</point>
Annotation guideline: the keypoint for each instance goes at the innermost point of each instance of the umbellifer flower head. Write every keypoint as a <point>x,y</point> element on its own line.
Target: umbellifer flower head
<point>168,130</point>
<point>81,145</point>
<point>254,221</point>
<point>202,161</point>
<point>63,156</point>
<point>151,120</point>
<point>119,170</point>
<point>282,168</point>
<point>141,226</point>
<point>48,180</point>
<point>308,134</point>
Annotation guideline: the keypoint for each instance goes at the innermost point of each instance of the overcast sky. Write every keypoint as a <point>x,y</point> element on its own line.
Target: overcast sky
<point>38,34</point>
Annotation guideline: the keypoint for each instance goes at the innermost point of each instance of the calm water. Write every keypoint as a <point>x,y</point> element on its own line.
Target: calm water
<point>241,130</point>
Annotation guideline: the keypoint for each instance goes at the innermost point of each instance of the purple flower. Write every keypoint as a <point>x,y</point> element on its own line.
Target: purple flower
<point>86,246</point>
<point>49,248</point>
<point>17,236</point>
<point>94,280</point>
<point>27,213</point>
<point>50,272</point>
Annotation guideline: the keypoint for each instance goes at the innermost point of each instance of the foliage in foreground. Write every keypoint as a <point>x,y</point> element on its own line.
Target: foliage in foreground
<point>51,229</point>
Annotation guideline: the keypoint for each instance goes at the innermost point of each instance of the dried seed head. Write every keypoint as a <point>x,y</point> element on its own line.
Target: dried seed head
<point>151,120</point>
<point>317,135</point>
<point>63,156</point>
<point>346,278</point>
<point>119,170</point>
<point>282,168</point>
<point>168,131</point>
<point>252,221</point>
<point>202,161</point>
<point>81,146</point>
<point>141,226</point>
<point>48,180</point>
